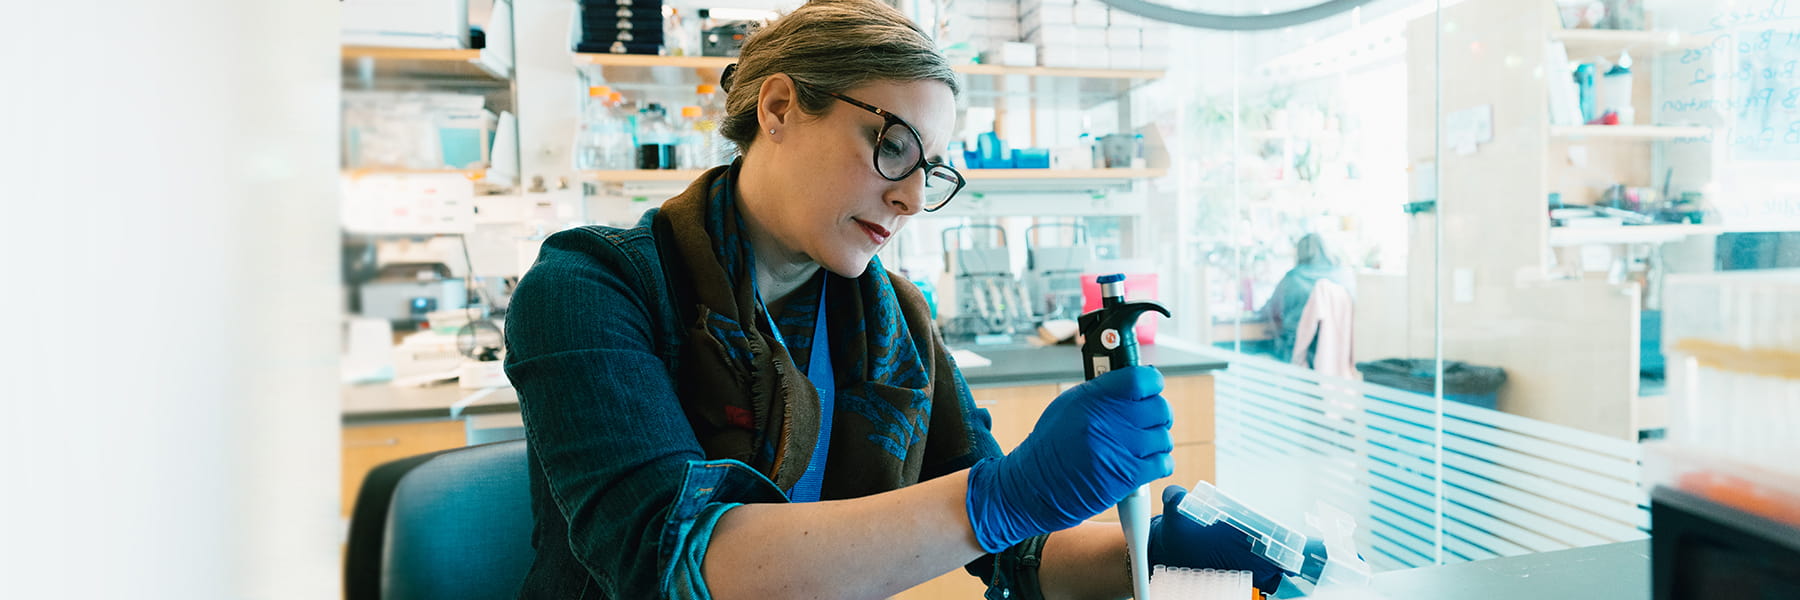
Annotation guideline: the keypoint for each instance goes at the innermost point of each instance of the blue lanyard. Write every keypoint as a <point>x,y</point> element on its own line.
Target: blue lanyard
<point>818,369</point>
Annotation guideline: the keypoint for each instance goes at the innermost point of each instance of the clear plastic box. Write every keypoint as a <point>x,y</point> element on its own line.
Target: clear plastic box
<point>1283,546</point>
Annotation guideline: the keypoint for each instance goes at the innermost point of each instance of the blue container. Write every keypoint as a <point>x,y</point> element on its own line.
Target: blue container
<point>992,152</point>
<point>1031,158</point>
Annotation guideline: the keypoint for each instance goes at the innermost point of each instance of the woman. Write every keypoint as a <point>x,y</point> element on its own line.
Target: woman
<point>1313,262</point>
<point>671,375</point>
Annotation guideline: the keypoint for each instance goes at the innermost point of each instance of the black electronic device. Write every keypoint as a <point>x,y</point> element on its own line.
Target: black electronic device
<point>1700,548</point>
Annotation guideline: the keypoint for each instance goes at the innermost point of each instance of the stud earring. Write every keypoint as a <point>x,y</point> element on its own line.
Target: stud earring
<point>771,132</point>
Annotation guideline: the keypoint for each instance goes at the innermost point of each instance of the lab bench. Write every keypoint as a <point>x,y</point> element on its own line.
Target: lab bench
<point>383,423</point>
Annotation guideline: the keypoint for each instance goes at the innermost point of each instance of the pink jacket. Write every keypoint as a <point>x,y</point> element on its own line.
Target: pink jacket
<point>1329,317</point>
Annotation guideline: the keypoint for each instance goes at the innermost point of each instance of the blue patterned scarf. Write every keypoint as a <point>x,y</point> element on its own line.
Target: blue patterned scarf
<point>899,404</point>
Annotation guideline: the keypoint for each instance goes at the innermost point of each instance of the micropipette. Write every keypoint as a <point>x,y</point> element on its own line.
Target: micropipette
<point>1109,343</point>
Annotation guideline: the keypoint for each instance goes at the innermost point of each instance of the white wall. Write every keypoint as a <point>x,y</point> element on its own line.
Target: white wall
<point>170,343</point>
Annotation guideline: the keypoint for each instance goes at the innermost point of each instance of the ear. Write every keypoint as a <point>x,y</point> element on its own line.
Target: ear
<point>777,102</point>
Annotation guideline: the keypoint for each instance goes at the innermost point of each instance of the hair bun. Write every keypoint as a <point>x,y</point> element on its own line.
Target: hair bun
<point>726,77</point>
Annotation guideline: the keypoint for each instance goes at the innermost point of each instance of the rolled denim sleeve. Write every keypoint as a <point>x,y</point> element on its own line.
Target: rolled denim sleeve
<point>612,448</point>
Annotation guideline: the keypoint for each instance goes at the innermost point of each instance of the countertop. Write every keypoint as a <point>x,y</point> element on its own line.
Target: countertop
<point>1012,365</point>
<point>382,402</point>
<point>1612,571</point>
<point>1023,365</point>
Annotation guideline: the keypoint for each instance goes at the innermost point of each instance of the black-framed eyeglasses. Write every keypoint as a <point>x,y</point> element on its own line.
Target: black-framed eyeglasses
<point>899,151</point>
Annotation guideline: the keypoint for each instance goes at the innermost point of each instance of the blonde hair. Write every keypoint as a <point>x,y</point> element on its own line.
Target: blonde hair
<point>828,46</point>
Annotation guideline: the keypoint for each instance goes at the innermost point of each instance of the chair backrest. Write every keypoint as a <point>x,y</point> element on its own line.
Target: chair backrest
<point>450,525</point>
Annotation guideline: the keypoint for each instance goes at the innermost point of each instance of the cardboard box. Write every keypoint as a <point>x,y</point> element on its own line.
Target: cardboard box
<point>1047,15</point>
<point>1124,37</point>
<point>1125,58</point>
<point>1074,57</point>
<point>1090,13</point>
<point>1050,35</point>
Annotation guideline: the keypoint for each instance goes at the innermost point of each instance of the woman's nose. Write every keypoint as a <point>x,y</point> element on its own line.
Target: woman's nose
<point>908,195</point>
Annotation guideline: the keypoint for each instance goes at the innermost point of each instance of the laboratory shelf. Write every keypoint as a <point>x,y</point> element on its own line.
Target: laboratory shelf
<point>973,175</point>
<point>720,62</point>
<point>1592,44</point>
<point>425,63</point>
<point>1627,234</point>
<point>1630,132</point>
<point>643,175</point>
<point>474,174</point>
<point>982,84</point>
<point>650,60</point>
<point>1059,174</point>
<point>1003,71</point>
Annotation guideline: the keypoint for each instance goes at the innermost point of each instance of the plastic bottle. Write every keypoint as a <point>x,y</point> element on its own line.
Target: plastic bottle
<point>691,144</point>
<point>712,115</point>
<point>655,139</point>
<point>619,149</point>
<point>590,139</point>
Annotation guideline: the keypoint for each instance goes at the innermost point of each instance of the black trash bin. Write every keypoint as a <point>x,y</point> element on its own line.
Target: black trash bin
<point>1474,385</point>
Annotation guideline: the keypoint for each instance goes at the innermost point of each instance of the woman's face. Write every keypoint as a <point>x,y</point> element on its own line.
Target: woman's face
<point>827,202</point>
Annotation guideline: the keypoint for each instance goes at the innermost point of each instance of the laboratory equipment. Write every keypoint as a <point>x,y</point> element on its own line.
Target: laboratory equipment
<point>1110,344</point>
<point>1199,584</point>
<point>1330,559</point>
<point>695,148</point>
<point>989,300</point>
<point>1053,272</point>
<point>406,293</point>
<point>656,138</point>
<point>1726,503</point>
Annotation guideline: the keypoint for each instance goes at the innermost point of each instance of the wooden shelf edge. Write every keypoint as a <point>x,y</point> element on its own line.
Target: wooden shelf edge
<point>1628,234</point>
<point>972,174</point>
<point>628,176</point>
<point>720,62</point>
<point>475,174</point>
<point>1654,132</point>
<point>393,53</point>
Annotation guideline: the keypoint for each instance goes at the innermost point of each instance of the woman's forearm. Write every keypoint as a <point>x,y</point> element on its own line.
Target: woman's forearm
<point>870,547</point>
<point>1085,562</point>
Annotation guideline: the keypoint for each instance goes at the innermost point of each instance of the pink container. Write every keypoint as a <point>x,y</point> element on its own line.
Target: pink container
<point>1138,286</point>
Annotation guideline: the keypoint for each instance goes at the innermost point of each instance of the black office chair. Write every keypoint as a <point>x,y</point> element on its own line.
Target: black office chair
<point>450,525</point>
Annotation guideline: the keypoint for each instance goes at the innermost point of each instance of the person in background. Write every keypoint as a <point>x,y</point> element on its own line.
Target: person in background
<point>735,399</point>
<point>1313,262</point>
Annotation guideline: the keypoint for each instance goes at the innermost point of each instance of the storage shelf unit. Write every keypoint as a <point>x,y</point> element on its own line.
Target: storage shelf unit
<point>1590,44</point>
<point>985,82</point>
<point>973,175</point>
<point>1627,234</point>
<point>424,63</point>
<point>720,62</point>
<point>1630,132</point>
<point>474,174</point>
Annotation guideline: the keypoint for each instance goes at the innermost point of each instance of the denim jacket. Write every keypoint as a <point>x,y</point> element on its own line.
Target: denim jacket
<point>624,499</point>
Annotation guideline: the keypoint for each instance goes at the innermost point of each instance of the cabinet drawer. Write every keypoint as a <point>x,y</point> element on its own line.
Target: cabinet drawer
<point>1191,400</point>
<point>368,446</point>
<point>1015,410</point>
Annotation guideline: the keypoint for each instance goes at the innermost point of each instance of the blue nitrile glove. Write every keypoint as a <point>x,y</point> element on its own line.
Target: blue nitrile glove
<point>1096,443</point>
<point>1177,540</point>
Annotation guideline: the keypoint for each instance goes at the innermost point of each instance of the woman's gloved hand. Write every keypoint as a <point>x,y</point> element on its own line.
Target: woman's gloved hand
<point>1096,443</point>
<point>1177,540</point>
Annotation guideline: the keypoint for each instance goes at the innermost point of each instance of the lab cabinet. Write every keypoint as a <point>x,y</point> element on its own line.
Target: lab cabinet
<point>368,446</point>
